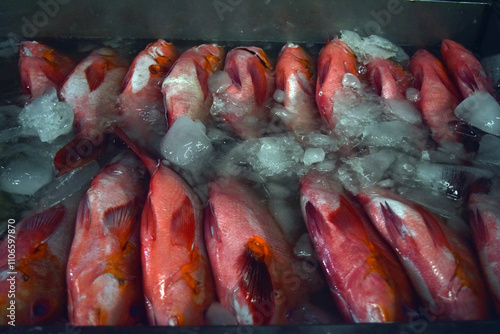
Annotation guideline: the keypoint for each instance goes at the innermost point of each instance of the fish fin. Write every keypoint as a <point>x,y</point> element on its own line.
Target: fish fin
<point>149,218</point>
<point>257,282</point>
<point>314,220</point>
<point>158,70</point>
<point>150,163</point>
<point>95,74</point>
<point>126,79</point>
<point>479,228</point>
<point>202,76</point>
<point>182,228</point>
<point>123,219</point>
<point>259,82</point>
<point>83,213</point>
<point>77,153</point>
<point>438,237</point>
<point>44,223</point>
<point>393,223</point>
<point>53,75</point>
<point>468,79</point>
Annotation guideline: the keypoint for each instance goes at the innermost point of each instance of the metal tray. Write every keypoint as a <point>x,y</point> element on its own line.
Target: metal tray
<point>270,23</point>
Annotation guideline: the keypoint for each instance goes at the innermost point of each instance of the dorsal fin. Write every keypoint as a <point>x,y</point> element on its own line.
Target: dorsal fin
<point>256,280</point>
<point>182,228</point>
<point>43,224</point>
<point>393,223</point>
<point>122,219</point>
<point>149,219</point>
<point>438,237</point>
<point>83,214</point>
<point>344,216</point>
<point>95,74</point>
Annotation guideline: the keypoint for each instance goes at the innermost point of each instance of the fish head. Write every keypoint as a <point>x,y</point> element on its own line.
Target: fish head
<point>388,78</point>
<point>214,55</point>
<point>42,67</point>
<point>466,71</point>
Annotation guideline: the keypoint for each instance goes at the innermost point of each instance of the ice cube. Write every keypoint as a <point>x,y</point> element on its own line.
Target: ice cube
<point>396,134</point>
<point>219,82</point>
<point>352,81</point>
<point>313,155</point>
<point>303,246</point>
<point>279,96</point>
<point>412,94</point>
<point>26,175</point>
<point>277,155</point>
<point>371,168</point>
<point>186,145</point>
<point>218,315</point>
<point>404,111</point>
<point>482,111</point>
<point>47,117</point>
<point>367,48</point>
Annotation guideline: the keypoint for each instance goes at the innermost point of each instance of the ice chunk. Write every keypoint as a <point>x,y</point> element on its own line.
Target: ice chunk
<point>482,111</point>
<point>325,166</point>
<point>313,155</point>
<point>405,111</point>
<point>279,96</point>
<point>367,48</point>
<point>47,117</point>
<point>434,202</point>
<point>396,134</point>
<point>303,246</point>
<point>489,150</point>
<point>412,94</point>
<point>278,155</point>
<point>219,82</point>
<point>218,315</point>
<point>352,81</point>
<point>26,175</point>
<point>186,145</point>
<point>277,190</point>
<point>492,67</point>
<point>327,143</point>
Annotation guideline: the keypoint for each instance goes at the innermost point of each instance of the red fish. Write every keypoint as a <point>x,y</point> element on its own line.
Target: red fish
<point>388,79</point>
<point>485,226</point>
<point>296,77</point>
<point>185,89</point>
<point>465,70</point>
<point>42,245</point>
<point>366,279</point>
<point>178,281</point>
<point>104,265</point>
<point>334,61</point>
<point>442,268</point>
<point>41,68</point>
<point>141,101</point>
<point>438,97</point>
<point>244,105</point>
<point>254,266</point>
<point>92,91</point>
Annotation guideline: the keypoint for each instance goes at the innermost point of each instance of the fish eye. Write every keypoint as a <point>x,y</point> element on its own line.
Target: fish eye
<point>41,308</point>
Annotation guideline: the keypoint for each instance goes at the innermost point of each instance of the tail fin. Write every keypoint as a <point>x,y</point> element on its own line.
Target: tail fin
<point>78,152</point>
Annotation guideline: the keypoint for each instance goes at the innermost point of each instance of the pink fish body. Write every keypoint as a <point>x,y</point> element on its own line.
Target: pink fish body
<point>42,245</point>
<point>141,107</point>
<point>465,70</point>
<point>485,226</point>
<point>296,77</point>
<point>388,79</point>
<point>442,268</point>
<point>185,89</point>
<point>104,267</point>
<point>365,277</point>
<point>178,281</point>
<point>334,61</point>
<point>42,68</point>
<point>92,90</point>
<point>252,262</point>
<point>438,96</point>
<point>244,105</point>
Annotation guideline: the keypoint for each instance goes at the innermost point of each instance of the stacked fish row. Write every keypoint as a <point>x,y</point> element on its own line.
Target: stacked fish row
<point>152,247</point>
